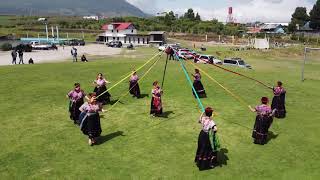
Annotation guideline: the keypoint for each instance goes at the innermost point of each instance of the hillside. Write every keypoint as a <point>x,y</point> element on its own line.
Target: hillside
<point>69,7</point>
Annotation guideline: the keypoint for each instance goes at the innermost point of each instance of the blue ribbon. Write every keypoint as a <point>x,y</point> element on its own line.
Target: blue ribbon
<point>190,82</point>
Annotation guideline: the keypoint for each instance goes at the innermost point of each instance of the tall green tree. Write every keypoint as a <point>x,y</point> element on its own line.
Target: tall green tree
<point>299,17</point>
<point>315,16</point>
<point>169,18</point>
<point>189,15</point>
<point>198,18</point>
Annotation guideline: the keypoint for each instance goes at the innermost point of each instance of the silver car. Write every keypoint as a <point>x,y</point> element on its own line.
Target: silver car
<point>236,62</point>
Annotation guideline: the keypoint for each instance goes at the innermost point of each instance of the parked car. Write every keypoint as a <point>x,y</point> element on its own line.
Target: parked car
<point>76,42</point>
<point>208,59</point>
<point>37,46</point>
<point>236,62</point>
<point>165,46</point>
<point>115,44</point>
<point>185,55</point>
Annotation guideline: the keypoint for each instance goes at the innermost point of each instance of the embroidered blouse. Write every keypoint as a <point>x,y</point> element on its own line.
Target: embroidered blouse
<point>277,91</point>
<point>207,123</point>
<point>263,110</point>
<point>91,108</point>
<point>197,77</point>
<point>76,96</point>
<point>101,82</point>
<point>134,78</point>
<point>156,92</point>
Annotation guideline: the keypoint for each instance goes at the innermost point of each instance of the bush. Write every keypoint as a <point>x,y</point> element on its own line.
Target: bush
<point>6,47</point>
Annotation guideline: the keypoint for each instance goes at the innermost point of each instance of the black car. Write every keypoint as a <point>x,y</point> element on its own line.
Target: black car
<point>76,42</point>
<point>115,44</point>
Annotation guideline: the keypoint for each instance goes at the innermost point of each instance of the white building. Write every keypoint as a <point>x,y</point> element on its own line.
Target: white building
<point>91,18</point>
<point>127,33</point>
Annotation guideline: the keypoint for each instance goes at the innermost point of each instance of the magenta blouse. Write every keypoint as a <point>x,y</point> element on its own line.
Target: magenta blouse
<point>134,78</point>
<point>277,91</point>
<point>75,96</point>
<point>197,77</point>
<point>101,82</point>
<point>263,109</point>
<point>156,92</point>
<point>91,108</point>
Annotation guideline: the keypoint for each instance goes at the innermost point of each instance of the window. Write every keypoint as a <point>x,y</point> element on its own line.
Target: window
<point>117,31</point>
<point>125,39</point>
<point>241,63</point>
<point>138,40</point>
<point>111,30</point>
<point>107,39</point>
<point>117,38</point>
<point>132,31</point>
<point>143,40</point>
<point>113,38</point>
<point>148,40</point>
<point>129,39</point>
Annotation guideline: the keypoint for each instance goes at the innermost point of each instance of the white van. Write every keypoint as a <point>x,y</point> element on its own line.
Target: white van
<point>236,62</point>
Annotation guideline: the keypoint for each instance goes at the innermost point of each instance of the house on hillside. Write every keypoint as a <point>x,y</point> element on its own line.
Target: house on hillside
<point>272,28</point>
<point>127,33</point>
<point>306,30</point>
<point>267,28</point>
<point>91,18</point>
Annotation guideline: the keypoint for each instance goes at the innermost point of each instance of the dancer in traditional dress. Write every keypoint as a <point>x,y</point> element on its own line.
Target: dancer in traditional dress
<point>263,121</point>
<point>101,88</point>
<point>76,100</point>
<point>134,86</point>
<point>156,103</point>
<point>90,124</point>
<point>198,85</point>
<point>278,101</point>
<point>208,144</point>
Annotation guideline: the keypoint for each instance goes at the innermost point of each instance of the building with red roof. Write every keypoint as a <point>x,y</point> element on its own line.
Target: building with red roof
<point>126,33</point>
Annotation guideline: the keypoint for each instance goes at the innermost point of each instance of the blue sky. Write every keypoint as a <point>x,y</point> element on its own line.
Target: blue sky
<point>244,10</point>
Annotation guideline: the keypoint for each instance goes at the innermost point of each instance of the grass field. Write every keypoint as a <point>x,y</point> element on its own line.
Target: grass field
<point>38,141</point>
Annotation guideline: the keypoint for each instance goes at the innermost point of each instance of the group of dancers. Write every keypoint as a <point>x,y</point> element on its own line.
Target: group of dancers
<point>208,143</point>
<point>86,114</point>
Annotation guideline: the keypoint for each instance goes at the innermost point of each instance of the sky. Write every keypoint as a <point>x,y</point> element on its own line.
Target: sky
<point>244,10</point>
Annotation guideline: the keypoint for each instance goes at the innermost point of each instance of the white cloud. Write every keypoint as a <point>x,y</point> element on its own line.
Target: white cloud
<point>244,10</point>
<point>265,10</point>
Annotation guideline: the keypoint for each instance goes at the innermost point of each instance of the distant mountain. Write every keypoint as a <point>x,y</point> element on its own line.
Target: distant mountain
<point>70,7</point>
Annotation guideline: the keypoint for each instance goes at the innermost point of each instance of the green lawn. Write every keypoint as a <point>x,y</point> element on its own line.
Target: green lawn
<point>38,141</point>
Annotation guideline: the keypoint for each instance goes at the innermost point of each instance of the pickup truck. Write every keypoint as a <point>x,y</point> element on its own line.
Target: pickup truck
<point>37,46</point>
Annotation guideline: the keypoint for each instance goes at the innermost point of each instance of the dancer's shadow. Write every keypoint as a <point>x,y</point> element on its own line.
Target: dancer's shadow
<point>108,137</point>
<point>166,114</point>
<point>142,96</point>
<point>222,157</point>
<point>271,136</point>
<point>115,101</point>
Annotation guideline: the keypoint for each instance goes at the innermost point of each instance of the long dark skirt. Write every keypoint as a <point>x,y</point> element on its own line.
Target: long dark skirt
<point>91,125</point>
<point>205,155</point>
<point>278,103</point>
<point>134,89</point>
<point>199,89</point>
<point>105,98</point>
<point>261,128</point>
<point>74,110</point>
<point>156,106</point>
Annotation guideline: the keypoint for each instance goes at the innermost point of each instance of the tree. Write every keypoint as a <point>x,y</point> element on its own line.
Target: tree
<point>189,15</point>
<point>299,17</point>
<point>315,16</point>
<point>169,18</point>
<point>198,18</point>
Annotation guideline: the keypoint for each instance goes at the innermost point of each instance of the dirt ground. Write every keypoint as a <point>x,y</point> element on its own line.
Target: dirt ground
<point>43,56</point>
